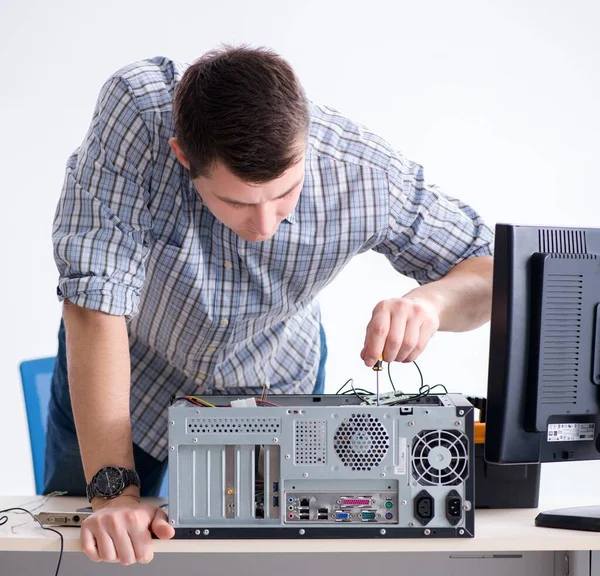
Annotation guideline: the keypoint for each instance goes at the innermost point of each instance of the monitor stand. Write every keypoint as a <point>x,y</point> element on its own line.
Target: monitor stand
<point>579,518</point>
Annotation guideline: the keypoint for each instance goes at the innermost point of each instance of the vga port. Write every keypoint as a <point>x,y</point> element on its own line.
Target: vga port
<point>345,502</point>
<point>341,516</point>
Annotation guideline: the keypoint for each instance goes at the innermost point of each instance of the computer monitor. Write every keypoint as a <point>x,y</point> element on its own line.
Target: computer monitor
<point>543,400</point>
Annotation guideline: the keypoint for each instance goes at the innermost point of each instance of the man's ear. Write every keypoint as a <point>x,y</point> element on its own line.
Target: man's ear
<point>179,152</point>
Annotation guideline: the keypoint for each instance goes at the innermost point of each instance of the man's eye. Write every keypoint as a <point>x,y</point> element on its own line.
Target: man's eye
<point>235,206</point>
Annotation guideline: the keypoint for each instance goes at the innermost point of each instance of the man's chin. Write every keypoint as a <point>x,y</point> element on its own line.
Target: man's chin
<point>249,237</point>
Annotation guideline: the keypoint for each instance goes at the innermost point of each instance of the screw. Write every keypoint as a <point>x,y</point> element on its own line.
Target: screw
<point>287,456</point>
<point>413,483</point>
<point>172,422</point>
<point>461,532</point>
<point>382,532</point>
<point>172,447</point>
<point>411,524</point>
<point>404,502</point>
<point>305,474</point>
<point>275,439</point>
<point>457,423</point>
<point>195,439</point>
<point>382,475</point>
<point>206,532</point>
<point>197,532</point>
<point>172,521</point>
<point>302,531</point>
<point>411,423</point>
<point>467,506</point>
<point>461,412</point>
<point>427,532</point>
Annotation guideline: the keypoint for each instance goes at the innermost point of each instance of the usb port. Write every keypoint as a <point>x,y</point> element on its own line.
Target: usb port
<point>275,501</point>
<point>275,486</point>
<point>304,516</point>
<point>323,511</point>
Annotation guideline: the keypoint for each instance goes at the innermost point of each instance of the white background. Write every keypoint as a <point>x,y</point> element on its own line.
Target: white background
<point>498,100</point>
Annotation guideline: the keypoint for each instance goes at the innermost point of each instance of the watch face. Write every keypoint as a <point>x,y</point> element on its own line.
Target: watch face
<point>109,481</point>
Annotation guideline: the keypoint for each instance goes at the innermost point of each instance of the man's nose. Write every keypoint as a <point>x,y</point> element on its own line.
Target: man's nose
<point>265,220</point>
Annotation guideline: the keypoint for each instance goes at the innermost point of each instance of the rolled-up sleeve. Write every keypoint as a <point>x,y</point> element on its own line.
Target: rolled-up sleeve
<point>102,218</point>
<point>428,232</point>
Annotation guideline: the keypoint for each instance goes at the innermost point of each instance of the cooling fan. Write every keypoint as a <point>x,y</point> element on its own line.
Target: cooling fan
<point>440,458</point>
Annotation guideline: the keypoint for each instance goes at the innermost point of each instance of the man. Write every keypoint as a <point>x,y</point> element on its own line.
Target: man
<point>204,211</point>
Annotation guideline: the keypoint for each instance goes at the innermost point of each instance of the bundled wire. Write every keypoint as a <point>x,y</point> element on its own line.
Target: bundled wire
<point>424,389</point>
<point>4,520</point>
<point>200,402</point>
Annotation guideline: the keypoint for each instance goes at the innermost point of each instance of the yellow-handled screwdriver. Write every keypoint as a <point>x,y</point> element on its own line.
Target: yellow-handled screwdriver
<point>378,368</point>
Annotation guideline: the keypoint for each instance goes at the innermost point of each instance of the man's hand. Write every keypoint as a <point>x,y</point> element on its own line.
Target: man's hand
<point>400,329</point>
<point>120,530</point>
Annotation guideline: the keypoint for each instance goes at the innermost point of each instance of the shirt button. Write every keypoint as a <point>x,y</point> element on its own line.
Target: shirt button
<point>224,322</point>
<point>211,348</point>
<point>228,265</point>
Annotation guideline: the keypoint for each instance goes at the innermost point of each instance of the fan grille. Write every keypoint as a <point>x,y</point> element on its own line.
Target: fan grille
<point>440,458</point>
<point>361,442</point>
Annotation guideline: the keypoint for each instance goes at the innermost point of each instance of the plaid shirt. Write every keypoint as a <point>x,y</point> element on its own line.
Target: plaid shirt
<point>209,312</point>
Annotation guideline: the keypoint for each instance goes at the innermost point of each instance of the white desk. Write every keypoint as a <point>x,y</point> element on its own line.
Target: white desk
<point>506,542</point>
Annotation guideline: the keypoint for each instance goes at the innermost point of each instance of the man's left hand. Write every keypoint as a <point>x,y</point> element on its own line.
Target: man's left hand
<point>400,329</point>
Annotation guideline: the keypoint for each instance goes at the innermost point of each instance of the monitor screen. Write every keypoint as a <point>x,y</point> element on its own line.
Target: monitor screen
<point>544,368</point>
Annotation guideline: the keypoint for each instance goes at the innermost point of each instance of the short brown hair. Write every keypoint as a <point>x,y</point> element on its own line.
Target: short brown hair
<point>244,107</point>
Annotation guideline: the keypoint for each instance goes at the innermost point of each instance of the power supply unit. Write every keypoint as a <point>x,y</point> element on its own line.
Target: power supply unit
<point>322,466</point>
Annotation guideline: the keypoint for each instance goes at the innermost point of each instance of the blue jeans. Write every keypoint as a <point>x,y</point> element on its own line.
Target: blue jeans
<point>63,468</point>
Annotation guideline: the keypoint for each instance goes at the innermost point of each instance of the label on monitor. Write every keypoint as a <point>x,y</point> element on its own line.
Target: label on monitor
<point>400,467</point>
<point>571,432</point>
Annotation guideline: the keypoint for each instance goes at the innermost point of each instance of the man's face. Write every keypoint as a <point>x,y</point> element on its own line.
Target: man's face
<point>252,211</point>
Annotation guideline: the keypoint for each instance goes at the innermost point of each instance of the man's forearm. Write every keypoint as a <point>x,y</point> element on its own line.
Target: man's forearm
<point>99,380</point>
<point>463,297</point>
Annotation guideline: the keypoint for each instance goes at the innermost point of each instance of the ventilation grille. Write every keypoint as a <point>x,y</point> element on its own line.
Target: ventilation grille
<point>440,458</point>
<point>561,323</point>
<point>562,241</point>
<point>361,442</point>
<point>233,425</point>
<point>310,442</point>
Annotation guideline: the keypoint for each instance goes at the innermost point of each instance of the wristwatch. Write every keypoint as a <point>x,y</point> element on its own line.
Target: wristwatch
<point>110,481</point>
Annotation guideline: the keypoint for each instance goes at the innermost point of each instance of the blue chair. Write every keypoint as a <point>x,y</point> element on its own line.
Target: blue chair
<point>36,377</point>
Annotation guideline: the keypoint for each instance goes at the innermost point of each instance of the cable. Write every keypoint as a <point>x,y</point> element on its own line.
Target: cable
<point>265,402</point>
<point>201,401</point>
<point>345,384</point>
<point>392,381</point>
<point>424,390</point>
<point>4,520</point>
<point>355,392</point>
<point>195,400</point>
<point>390,376</point>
